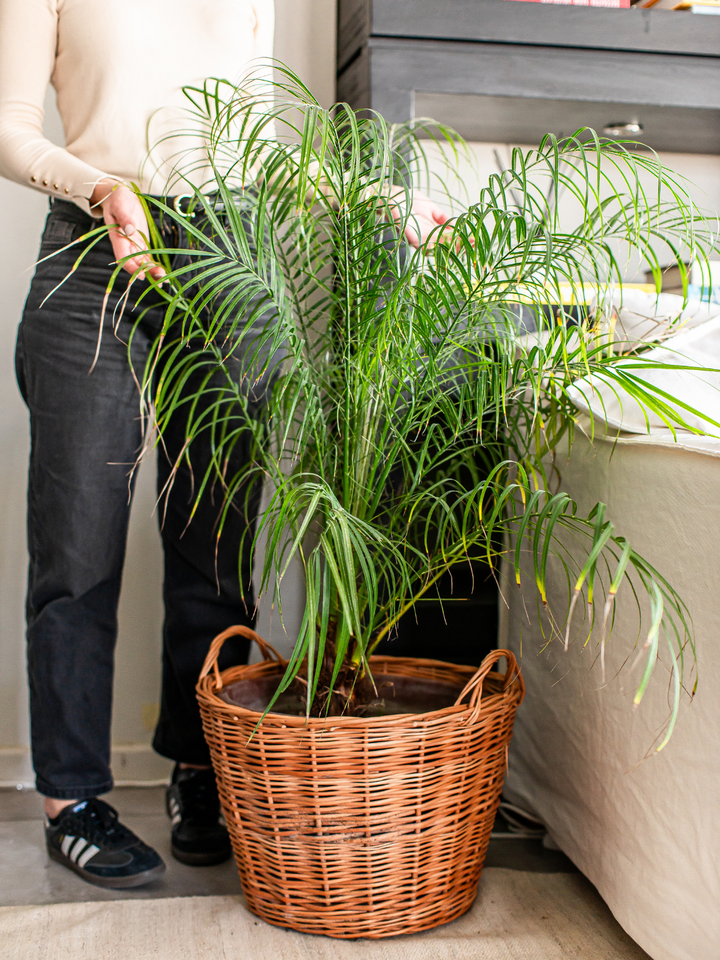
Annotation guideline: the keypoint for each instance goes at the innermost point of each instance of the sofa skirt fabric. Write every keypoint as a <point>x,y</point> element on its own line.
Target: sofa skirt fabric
<point>642,825</point>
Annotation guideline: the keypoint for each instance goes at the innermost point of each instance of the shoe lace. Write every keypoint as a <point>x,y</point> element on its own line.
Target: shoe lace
<point>100,822</point>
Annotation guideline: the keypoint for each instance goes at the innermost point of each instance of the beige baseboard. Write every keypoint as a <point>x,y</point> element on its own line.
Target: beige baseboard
<point>133,765</point>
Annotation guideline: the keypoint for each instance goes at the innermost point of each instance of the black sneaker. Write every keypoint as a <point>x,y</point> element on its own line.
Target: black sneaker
<point>199,836</point>
<point>89,838</point>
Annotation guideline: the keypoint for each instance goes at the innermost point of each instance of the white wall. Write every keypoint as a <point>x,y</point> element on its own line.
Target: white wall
<point>305,40</point>
<point>23,215</point>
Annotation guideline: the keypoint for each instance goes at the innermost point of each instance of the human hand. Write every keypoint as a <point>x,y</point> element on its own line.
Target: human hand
<point>425,216</point>
<point>121,208</point>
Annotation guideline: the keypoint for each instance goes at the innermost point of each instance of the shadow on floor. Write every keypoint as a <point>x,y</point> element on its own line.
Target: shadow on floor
<point>536,855</point>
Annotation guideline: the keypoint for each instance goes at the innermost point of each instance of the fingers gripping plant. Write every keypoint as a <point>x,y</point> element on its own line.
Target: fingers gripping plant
<point>392,395</point>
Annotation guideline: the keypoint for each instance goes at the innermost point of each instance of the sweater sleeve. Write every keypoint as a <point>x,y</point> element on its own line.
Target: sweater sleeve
<point>28,42</point>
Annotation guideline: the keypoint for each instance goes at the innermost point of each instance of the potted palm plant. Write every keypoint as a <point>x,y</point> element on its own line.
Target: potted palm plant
<point>404,405</point>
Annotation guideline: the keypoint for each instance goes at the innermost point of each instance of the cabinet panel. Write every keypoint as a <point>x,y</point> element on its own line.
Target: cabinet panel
<point>506,93</point>
<point>526,121</point>
<point>483,66</point>
<point>353,29</point>
<point>658,31</point>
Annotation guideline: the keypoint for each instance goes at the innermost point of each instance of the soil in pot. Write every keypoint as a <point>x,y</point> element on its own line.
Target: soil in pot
<point>395,695</point>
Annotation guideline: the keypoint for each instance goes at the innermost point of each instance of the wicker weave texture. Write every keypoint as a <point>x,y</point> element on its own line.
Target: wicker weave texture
<point>355,827</point>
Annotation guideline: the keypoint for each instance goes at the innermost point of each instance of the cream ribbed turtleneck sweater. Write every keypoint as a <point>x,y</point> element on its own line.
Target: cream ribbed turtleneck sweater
<point>118,67</point>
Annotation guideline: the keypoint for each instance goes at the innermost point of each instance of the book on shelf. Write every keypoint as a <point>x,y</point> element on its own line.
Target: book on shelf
<point>704,281</point>
<point>688,6</point>
<point>617,4</point>
<point>671,278</point>
<point>702,293</point>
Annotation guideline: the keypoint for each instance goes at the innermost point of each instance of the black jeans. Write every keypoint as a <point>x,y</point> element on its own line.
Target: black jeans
<point>86,434</point>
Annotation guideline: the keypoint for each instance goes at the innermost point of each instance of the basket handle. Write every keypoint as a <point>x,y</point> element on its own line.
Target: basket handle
<point>211,660</point>
<point>475,684</point>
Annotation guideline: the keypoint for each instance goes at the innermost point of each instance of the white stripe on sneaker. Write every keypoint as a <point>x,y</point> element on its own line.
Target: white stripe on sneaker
<point>90,852</point>
<point>66,844</point>
<point>78,849</point>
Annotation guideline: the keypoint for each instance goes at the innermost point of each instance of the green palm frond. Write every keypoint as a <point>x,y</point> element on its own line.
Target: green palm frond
<point>414,418</point>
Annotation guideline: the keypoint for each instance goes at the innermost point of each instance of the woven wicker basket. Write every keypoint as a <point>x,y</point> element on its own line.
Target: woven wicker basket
<point>356,827</point>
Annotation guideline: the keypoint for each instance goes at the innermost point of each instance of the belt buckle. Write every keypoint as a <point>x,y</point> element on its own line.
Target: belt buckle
<point>177,208</point>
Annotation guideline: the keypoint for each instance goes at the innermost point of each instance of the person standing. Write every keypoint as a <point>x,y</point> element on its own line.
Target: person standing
<point>118,68</point>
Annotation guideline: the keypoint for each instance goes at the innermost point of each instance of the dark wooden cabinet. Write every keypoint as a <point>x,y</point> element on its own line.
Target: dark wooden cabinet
<point>504,71</point>
<point>509,72</point>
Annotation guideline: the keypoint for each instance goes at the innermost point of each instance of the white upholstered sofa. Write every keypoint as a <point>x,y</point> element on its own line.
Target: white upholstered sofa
<point>643,826</point>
